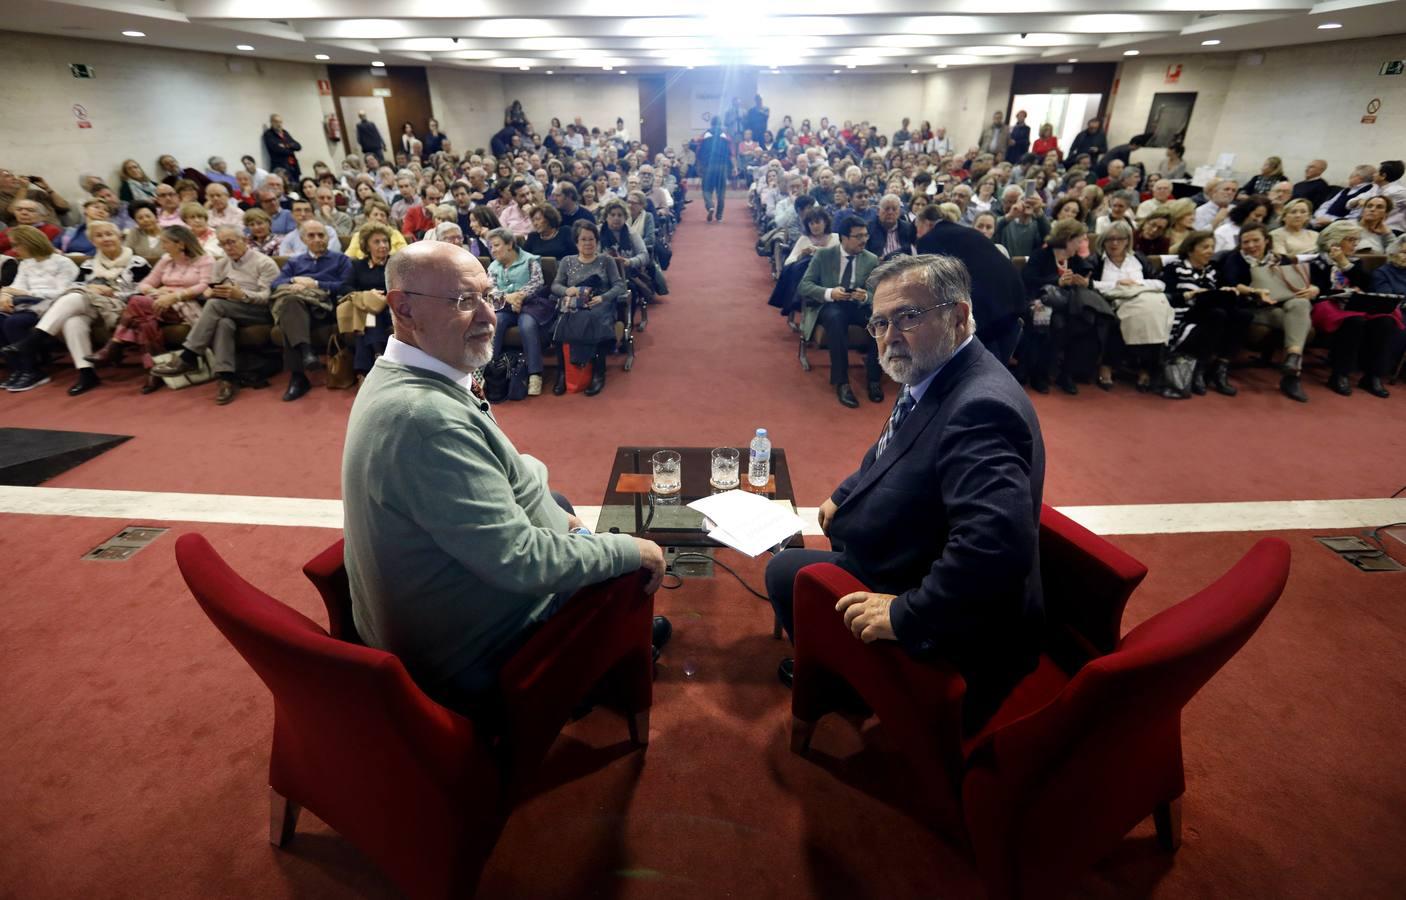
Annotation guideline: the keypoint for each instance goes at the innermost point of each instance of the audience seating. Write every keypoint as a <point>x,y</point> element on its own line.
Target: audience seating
<point>422,790</point>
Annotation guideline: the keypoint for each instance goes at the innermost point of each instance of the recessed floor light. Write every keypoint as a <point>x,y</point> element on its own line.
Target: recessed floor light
<point>1329,25</point>
<point>134,34</point>
<point>378,64</point>
<point>244,46</point>
<point>1211,43</point>
<point>1131,52</point>
<point>322,56</point>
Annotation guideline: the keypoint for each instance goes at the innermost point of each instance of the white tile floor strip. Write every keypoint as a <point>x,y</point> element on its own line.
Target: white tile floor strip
<point>1169,518</point>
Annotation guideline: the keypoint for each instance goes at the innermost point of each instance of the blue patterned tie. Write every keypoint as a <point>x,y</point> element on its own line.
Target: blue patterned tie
<point>901,409</point>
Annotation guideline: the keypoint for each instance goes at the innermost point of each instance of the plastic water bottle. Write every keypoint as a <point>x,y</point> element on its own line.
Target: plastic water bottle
<point>759,464</point>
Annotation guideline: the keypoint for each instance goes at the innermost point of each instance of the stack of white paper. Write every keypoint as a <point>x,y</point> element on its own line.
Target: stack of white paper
<point>748,522</point>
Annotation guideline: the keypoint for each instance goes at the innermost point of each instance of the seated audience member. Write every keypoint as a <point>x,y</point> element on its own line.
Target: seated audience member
<point>985,225</point>
<point>1161,196</point>
<point>326,211</point>
<point>515,277</point>
<point>168,206</point>
<point>1220,193</point>
<point>1150,238</point>
<point>1292,237</point>
<point>618,241</point>
<point>1359,182</point>
<point>482,219</point>
<point>835,297</point>
<point>117,210</point>
<point>587,286</point>
<point>486,552</point>
<point>107,279</point>
<point>1120,209</point>
<point>1376,236</point>
<point>1250,211</point>
<point>172,172</point>
<point>1211,324</point>
<point>419,218</point>
<point>1181,219</point>
<point>218,173</point>
<point>655,192</point>
<point>292,243</point>
<point>1313,188</point>
<point>1359,340</point>
<point>447,232</point>
<point>135,183</point>
<point>985,198</point>
<point>377,213</point>
<point>144,238</point>
<point>891,232</point>
<point>363,295</point>
<point>75,239</point>
<point>548,237</point>
<point>1135,289</point>
<point>1271,173</point>
<point>302,298</point>
<point>260,232</point>
<point>1172,167</point>
<point>641,220</point>
<point>968,471</point>
<point>187,191</point>
<point>169,295</point>
<point>251,168</point>
<point>219,210</point>
<point>1019,231</point>
<point>31,213</point>
<point>513,213</point>
<point>42,277</point>
<point>281,220</point>
<point>1067,325</point>
<point>406,197</point>
<point>1278,197</point>
<point>590,200</point>
<point>241,282</point>
<point>1282,298</point>
<point>812,240</point>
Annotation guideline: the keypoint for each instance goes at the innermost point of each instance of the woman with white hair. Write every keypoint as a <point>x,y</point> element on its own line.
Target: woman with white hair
<point>1136,291</point>
<point>1358,338</point>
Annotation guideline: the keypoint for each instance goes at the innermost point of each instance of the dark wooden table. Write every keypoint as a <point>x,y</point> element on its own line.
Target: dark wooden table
<point>667,520</point>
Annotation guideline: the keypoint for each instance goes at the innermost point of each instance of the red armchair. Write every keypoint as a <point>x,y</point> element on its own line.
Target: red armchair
<point>1087,582</point>
<point>421,790</point>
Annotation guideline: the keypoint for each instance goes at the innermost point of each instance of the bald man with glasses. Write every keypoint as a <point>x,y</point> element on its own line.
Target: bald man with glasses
<point>456,548</point>
<point>304,296</point>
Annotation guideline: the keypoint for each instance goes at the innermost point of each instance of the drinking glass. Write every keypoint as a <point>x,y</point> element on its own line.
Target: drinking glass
<point>725,468</point>
<point>668,478</point>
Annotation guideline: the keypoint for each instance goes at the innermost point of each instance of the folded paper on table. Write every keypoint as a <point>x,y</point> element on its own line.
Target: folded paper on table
<point>747,522</point>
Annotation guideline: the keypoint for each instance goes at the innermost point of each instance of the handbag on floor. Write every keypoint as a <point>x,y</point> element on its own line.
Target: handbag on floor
<point>340,374</point>
<point>199,375</point>
<point>1178,372</point>
<point>517,377</point>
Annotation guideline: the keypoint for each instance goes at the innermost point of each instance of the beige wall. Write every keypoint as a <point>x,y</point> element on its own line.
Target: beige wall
<point>1299,103</point>
<point>145,102</point>
<point>470,103</point>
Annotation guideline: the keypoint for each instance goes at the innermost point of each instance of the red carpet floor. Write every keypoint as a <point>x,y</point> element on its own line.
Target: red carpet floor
<point>133,741</point>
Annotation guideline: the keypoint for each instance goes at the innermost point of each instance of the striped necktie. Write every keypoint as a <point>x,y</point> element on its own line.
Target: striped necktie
<point>901,409</point>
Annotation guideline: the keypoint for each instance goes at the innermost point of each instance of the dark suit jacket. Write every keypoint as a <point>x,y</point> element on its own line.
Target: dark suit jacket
<point>997,294</point>
<point>368,137</point>
<point>1317,191</point>
<point>907,234</point>
<point>948,520</point>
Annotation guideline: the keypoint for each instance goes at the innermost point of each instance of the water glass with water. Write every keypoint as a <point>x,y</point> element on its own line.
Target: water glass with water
<point>725,468</point>
<point>668,477</point>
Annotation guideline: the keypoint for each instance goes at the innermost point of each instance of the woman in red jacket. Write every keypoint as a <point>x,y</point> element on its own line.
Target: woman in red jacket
<point>1046,142</point>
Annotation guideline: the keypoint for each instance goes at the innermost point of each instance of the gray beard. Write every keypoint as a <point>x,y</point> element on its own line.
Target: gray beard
<point>914,367</point>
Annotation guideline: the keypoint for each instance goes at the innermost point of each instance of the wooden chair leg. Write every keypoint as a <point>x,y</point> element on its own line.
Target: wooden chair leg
<point>639,728</point>
<point>801,733</point>
<point>1167,820</point>
<point>283,818</point>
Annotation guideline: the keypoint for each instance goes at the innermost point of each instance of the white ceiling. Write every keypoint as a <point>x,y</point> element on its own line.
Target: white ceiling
<point>813,35</point>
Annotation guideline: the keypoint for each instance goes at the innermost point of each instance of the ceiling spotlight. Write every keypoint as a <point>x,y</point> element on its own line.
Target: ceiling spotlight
<point>834,71</point>
<point>134,34</point>
<point>322,56</point>
<point>1327,26</point>
<point>942,65</point>
<point>244,46</point>
<point>1074,59</point>
<point>524,68</point>
<point>606,68</point>
<point>624,72</point>
<point>1131,52</point>
<point>378,64</point>
<point>550,72</point>
<point>1211,43</point>
<point>849,65</point>
<point>690,67</point>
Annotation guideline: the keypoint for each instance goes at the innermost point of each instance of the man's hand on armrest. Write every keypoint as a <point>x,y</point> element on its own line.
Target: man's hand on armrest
<point>867,615</point>
<point>652,561</point>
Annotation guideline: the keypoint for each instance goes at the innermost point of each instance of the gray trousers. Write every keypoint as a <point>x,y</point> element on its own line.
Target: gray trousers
<point>295,318</point>
<point>1292,316</point>
<point>218,322</point>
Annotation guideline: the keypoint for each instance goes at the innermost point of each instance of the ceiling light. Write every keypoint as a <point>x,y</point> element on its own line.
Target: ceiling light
<point>624,72</point>
<point>1326,26</point>
<point>244,46</point>
<point>942,65</point>
<point>134,34</point>
<point>550,72</point>
<point>834,71</point>
<point>378,64</point>
<point>690,67</point>
<point>524,68</point>
<point>1131,52</point>
<point>1074,59</point>
<point>322,56</point>
<point>849,65</point>
<point>1211,43</point>
<point>606,68</point>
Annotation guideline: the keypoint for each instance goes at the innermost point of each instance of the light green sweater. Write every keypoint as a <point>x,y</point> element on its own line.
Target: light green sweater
<point>454,544</point>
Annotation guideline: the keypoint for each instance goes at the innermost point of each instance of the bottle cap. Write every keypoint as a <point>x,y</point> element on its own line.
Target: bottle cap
<point>761,432</point>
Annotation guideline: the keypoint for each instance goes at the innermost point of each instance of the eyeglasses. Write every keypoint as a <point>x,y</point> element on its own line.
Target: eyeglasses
<point>467,302</point>
<point>904,319</point>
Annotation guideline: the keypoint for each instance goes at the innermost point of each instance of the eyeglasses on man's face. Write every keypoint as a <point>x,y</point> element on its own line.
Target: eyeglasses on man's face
<point>467,302</point>
<point>905,319</point>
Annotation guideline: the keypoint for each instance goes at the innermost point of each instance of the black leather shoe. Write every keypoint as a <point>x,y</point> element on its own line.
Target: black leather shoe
<point>1066,384</point>
<point>1293,364</point>
<point>153,384</point>
<point>560,387</point>
<point>786,672</point>
<point>1220,380</point>
<point>310,361</point>
<point>1339,384</point>
<point>1372,384</point>
<point>1040,385</point>
<point>597,384</point>
<point>846,396</point>
<point>1292,387</point>
<point>661,633</point>
<point>876,392</point>
<point>87,380</point>
<point>298,385</point>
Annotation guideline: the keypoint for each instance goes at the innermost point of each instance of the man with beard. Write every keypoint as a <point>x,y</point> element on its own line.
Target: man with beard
<point>455,546</point>
<point>941,520</point>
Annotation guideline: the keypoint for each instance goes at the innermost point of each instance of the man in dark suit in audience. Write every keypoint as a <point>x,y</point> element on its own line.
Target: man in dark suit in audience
<point>941,520</point>
<point>890,232</point>
<point>1313,188</point>
<point>998,296</point>
<point>836,298</point>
